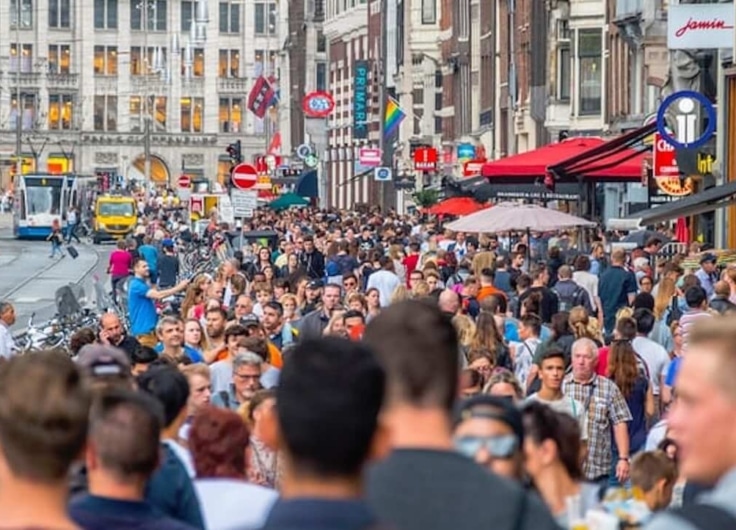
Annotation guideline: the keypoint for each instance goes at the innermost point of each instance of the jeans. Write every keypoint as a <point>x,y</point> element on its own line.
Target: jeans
<point>71,233</point>
<point>56,249</point>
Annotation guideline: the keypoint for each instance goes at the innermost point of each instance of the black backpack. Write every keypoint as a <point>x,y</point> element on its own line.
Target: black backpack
<point>574,299</point>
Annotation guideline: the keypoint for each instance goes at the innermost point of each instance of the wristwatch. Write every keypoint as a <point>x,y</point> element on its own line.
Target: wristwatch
<point>624,459</point>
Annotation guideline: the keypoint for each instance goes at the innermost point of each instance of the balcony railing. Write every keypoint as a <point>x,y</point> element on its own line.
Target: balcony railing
<point>63,80</point>
<point>231,84</point>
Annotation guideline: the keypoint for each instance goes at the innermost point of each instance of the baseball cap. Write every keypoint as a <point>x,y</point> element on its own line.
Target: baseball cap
<point>315,284</point>
<point>708,257</point>
<point>100,360</point>
<point>167,243</point>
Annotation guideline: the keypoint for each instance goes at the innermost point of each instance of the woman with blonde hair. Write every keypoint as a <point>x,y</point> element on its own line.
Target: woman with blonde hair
<point>400,294</point>
<point>290,304</point>
<point>357,302</point>
<point>336,326</point>
<point>465,329</point>
<point>665,303</point>
<point>396,253</point>
<point>583,326</point>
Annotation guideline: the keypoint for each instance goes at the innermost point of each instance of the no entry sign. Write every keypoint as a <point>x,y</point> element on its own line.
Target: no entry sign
<point>244,176</point>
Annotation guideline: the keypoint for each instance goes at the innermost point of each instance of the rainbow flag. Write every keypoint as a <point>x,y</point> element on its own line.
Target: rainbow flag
<point>393,118</point>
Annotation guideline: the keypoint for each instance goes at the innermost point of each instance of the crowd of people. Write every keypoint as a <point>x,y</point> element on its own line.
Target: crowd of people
<point>366,371</point>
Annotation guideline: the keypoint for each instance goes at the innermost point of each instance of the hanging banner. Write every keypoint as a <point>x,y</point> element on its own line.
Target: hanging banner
<point>361,74</point>
<point>261,97</point>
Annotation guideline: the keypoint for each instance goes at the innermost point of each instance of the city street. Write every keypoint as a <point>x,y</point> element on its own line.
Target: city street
<point>29,278</point>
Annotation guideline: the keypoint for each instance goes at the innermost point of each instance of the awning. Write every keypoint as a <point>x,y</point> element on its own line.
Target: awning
<point>614,157</point>
<point>574,158</point>
<point>705,201</point>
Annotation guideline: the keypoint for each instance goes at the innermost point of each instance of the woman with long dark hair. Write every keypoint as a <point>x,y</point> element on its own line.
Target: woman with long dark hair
<point>628,374</point>
<point>488,338</point>
<point>552,459</point>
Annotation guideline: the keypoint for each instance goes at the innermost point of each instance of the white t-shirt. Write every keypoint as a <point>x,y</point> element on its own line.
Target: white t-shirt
<point>655,357</point>
<point>567,405</point>
<point>229,504</point>
<point>7,344</point>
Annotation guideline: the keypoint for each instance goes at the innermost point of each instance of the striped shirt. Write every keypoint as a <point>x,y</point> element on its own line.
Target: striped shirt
<point>688,319</point>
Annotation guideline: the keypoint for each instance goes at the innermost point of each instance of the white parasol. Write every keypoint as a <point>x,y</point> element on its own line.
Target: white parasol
<point>510,217</point>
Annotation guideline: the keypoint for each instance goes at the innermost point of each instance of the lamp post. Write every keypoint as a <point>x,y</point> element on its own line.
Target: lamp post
<point>18,112</point>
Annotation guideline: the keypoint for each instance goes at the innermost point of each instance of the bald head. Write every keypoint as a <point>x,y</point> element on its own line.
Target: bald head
<point>449,301</point>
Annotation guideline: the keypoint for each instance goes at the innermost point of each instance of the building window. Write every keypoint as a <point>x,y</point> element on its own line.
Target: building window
<point>258,64</point>
<point>106,14</point>
<point>106,60</point>
<point>59,13</point>
<point>135,112</point>
<point>106,113</point>
<point>60,111</point>
<point>429,11</point>
<point>26,13</point>
<point>589,58</point>
<point>28,106</point>
<point>563,68</point>
<point>138,108</point>
<point>156,15</point>
<point>231,115</point>
<point>24,60</point>
<point>60,58</point>
<point>188,13</point>
<point>321,42</point>
<point>321,76</point>
<point>142,63</point>
<point>192,114</point>
<point>265,22</point>
<point>229,18</point>
<point>192,62</point>
<point>229,64</point>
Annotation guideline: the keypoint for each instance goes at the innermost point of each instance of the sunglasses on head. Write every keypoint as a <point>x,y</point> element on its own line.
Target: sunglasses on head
<point>503,446</point>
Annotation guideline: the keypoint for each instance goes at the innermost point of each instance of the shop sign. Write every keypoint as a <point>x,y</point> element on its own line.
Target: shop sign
<point>700,26</point>
<point>360,99</point>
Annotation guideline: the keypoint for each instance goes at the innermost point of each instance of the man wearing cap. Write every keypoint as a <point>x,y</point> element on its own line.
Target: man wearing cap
<point>707,273</point>
<point>312,296</point>
<point>168,265</point>
<point>105,365</point>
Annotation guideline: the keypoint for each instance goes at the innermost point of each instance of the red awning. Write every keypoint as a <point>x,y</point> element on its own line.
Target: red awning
<point>626,163</point>
<point>456,206</point>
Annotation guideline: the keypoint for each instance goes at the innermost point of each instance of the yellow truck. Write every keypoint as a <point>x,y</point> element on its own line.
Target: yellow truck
<point>115,217</point>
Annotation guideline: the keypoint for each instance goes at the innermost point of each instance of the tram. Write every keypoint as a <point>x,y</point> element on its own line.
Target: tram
<point>40,201</point>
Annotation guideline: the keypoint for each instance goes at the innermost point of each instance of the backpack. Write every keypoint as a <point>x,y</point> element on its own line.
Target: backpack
<point>706,517</point>
<point>574,299</point>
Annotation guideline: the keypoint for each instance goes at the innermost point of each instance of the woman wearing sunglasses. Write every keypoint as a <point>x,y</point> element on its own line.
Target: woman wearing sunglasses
<point>488,429</point>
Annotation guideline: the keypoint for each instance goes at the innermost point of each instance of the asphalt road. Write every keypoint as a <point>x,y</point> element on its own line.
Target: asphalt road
<point>29,279</point>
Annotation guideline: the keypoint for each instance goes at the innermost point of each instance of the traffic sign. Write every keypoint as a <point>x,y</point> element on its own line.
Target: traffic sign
<point>425,159</point>
<point>244,202</point>
<point>303,151</point>
<point>318,104</point>
<point>686,135</point>
<point>664,161</point>
<point>382,174</point>
<point>244,176</point>
<point>184,181</point>
<point>369,156</point>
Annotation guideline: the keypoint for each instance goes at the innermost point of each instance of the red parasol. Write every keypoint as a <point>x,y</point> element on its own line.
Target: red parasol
<point>457,206</point>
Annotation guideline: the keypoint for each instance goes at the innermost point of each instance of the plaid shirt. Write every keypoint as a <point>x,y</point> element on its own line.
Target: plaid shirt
<point>606,407</point>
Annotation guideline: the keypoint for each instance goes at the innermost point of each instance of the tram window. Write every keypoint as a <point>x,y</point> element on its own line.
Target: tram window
<point>22,205</point>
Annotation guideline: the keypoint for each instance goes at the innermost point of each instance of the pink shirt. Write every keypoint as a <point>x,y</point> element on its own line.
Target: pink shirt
<point>120,262</point>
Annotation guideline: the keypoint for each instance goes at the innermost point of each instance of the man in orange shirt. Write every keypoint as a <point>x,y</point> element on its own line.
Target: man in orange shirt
<point>486,285</point>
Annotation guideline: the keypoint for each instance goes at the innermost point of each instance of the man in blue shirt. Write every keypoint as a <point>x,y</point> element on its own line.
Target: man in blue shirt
<point>170,331</point>
<point>141,307</point>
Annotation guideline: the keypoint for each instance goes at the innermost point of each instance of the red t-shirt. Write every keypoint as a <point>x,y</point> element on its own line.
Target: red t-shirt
<point>410,264</point>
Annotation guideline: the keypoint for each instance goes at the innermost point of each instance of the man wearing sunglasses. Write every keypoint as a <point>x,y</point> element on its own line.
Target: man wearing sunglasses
<point>489,430</point>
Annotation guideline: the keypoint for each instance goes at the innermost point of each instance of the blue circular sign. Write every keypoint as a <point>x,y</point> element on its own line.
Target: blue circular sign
<point>684,99</point>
